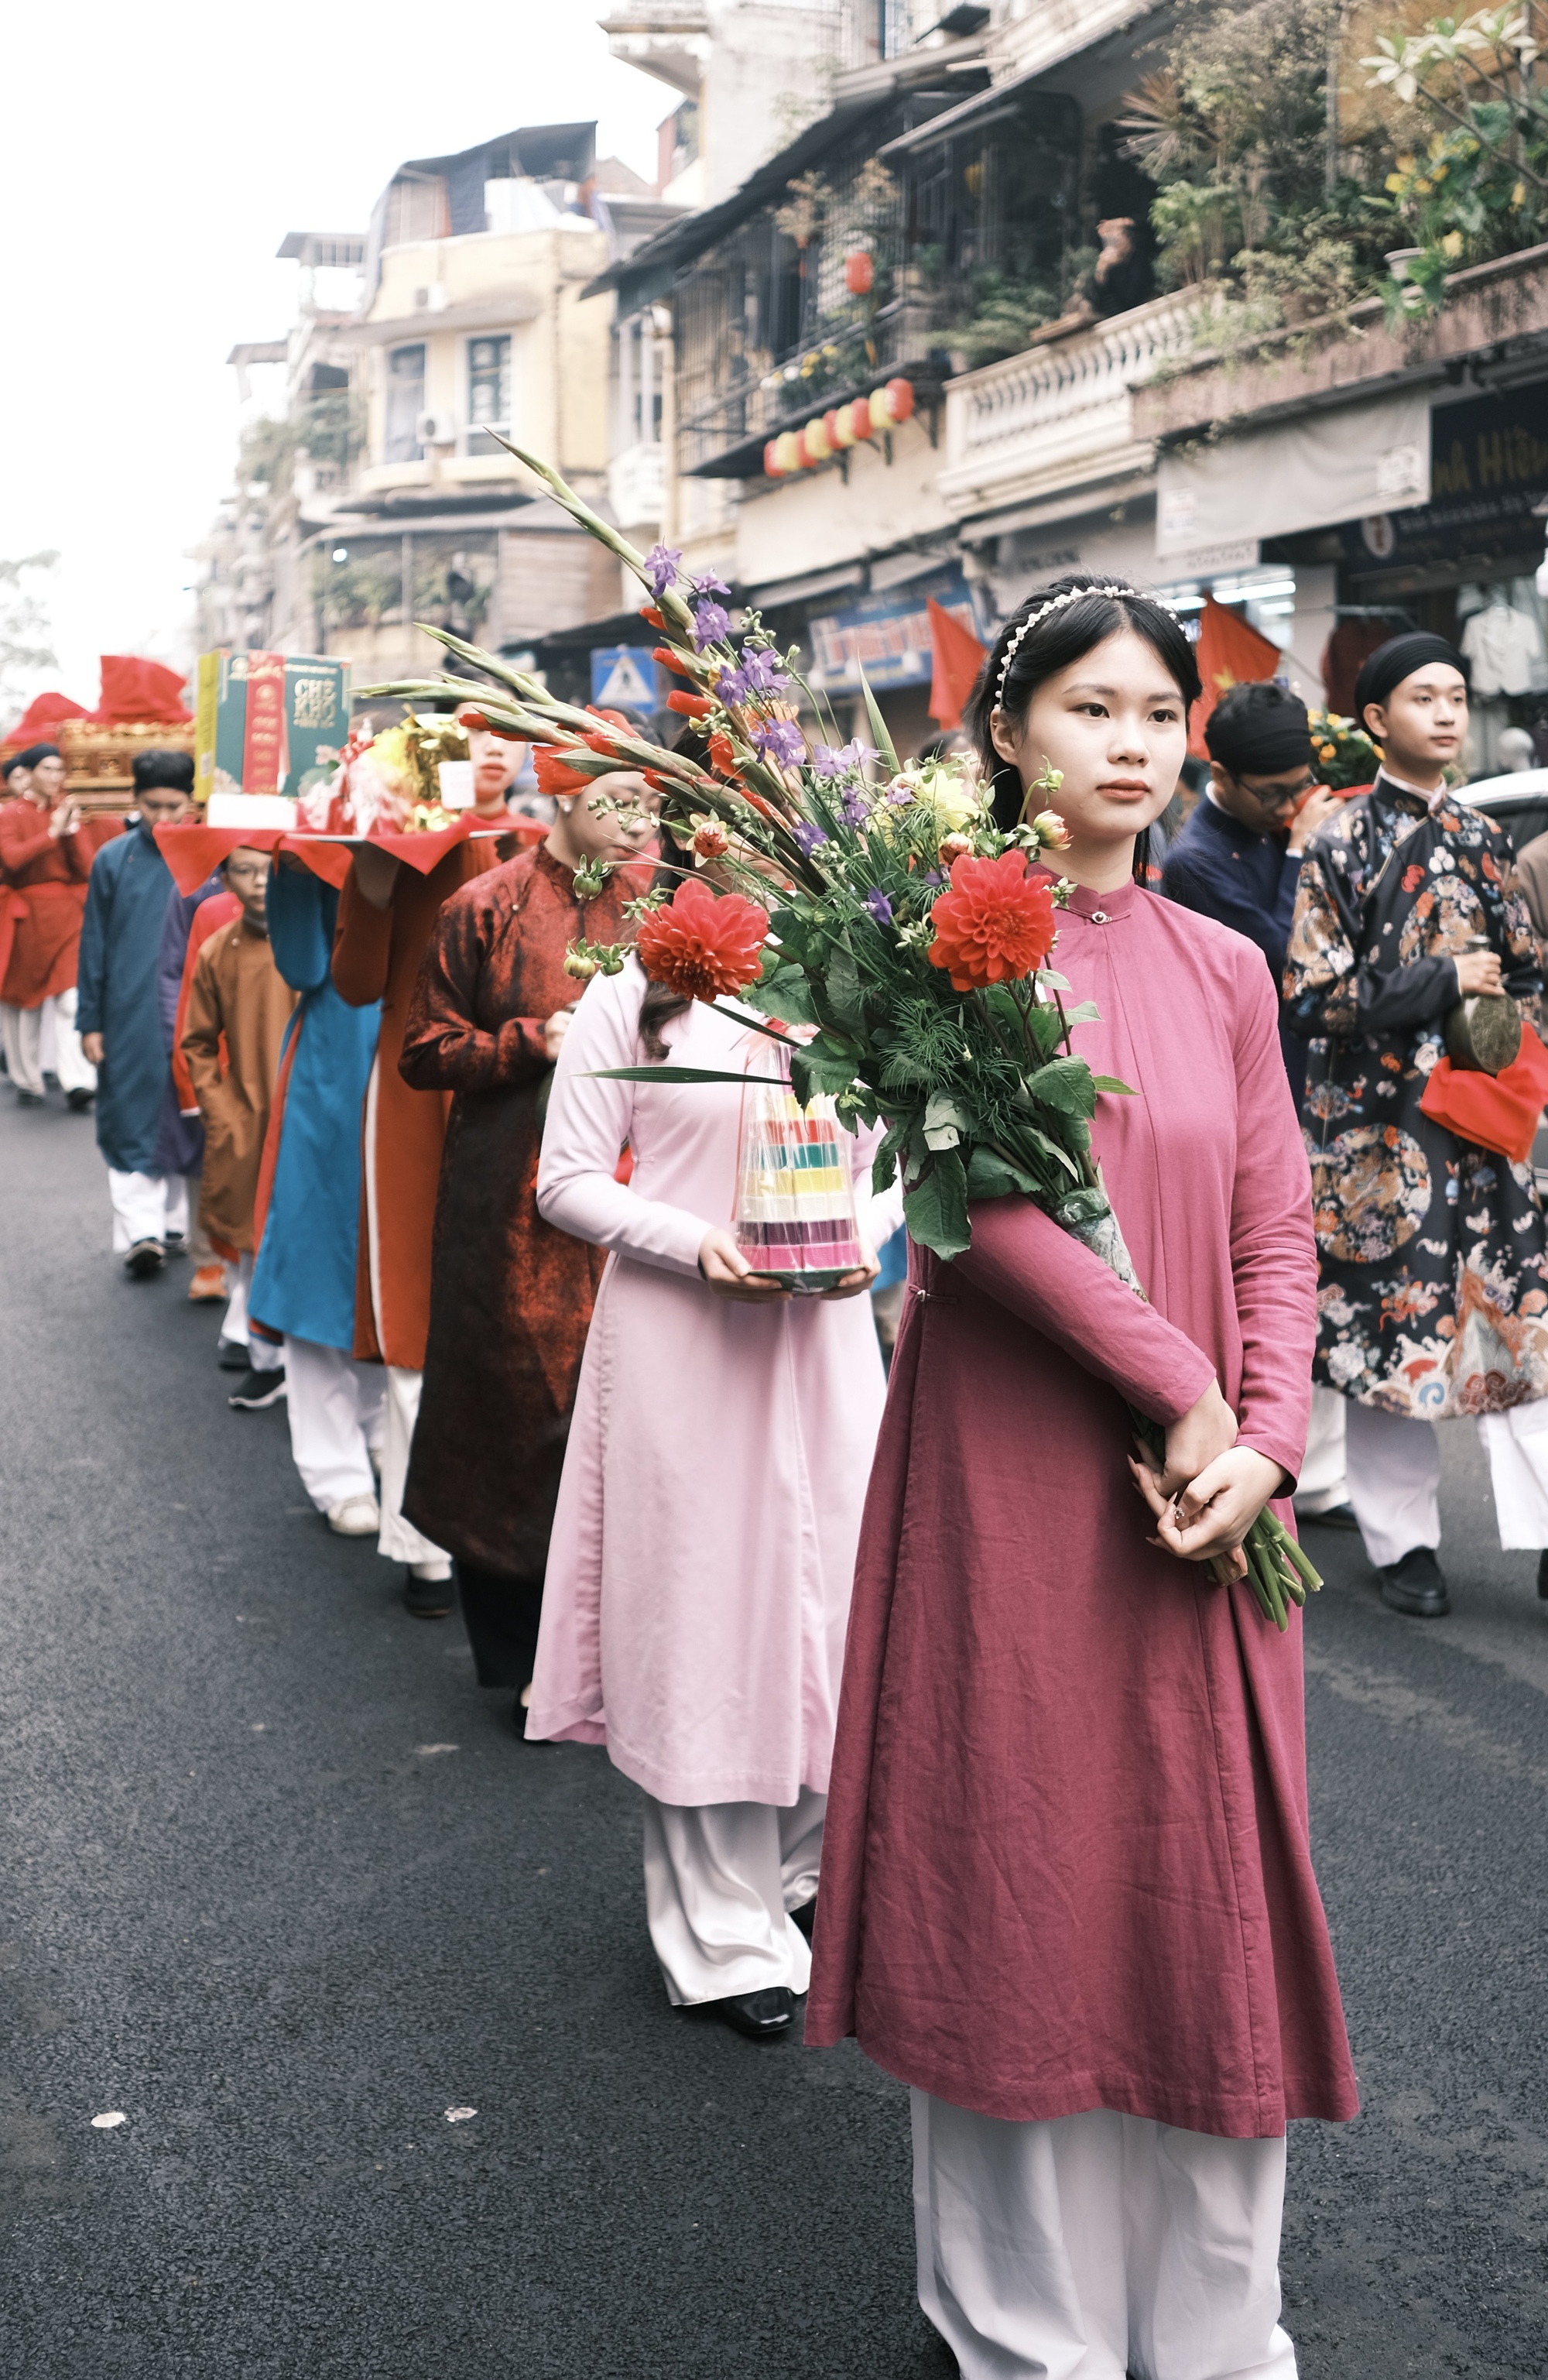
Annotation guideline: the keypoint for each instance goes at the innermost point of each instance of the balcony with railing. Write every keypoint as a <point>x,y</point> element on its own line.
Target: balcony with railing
<point>1060,415</point>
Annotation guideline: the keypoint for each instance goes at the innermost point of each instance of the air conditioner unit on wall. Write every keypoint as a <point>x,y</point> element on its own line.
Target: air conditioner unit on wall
<point>437,429</point>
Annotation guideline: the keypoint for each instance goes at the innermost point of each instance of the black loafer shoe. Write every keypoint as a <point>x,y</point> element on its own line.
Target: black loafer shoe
<point>805,1917</point>
<point>1542,1576</point>
<point>761,2016</point>
<point>31,1100</point>
<point>428,1599</point>
<point>144,1260</point>
<point>1416,1586</point>
<point>1338,1516</point>
<point>80,1101</point>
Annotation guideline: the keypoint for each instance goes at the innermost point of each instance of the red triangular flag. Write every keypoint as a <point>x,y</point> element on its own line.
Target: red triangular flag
<point>1228,653</point>
<point>959,657</point>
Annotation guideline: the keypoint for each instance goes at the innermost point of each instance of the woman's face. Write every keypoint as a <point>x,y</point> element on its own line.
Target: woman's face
<point>618,833</point>
<point>1115,726</point>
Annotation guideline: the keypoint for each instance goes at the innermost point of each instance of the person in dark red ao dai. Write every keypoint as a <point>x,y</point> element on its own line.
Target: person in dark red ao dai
<point>1433,1297</point>
<point>1067,1890</point>
<point>511,1297</point>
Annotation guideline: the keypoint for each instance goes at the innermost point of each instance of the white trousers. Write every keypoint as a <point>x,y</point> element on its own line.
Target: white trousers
<point>263,1354</point>
<point>335,1419</point>
<point>720,1882</point>
<point>1395,1479</point>
<point>399,1540</point>
<point>146,1207</point>
<point>23,1032</point>
<point>1096,2245</point>
<point>1322,1485</point>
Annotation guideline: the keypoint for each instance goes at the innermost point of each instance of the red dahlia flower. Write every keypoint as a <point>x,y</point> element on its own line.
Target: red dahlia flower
<point>703,948</point>
<point>994,924</point>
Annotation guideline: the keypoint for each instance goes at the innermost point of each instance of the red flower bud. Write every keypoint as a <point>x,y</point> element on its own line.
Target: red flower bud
<point>669,659</point>
<point>651,613</point>
<point>692,706</point>
<point>722,752</point>
<point>554,777</point>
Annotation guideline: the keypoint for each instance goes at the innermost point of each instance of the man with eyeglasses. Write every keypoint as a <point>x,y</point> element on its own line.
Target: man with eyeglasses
<point>1238,860</point>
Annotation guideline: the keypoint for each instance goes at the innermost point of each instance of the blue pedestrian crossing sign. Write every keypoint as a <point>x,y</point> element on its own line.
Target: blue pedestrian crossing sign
<point>624,677</point>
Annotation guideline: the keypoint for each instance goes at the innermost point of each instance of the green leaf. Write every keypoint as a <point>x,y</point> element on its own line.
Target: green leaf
<point>944,1121</point>
<point>1111,1083</point>
<point>936,1208</point>
<point>1086,1014</point>
<point>884,1165</point>
<point>885,751</point>
<point>1064,1084</point>
<point>1046,1030</point>
<point>813,1072</point>
<point>989,1175</point>
<point>786,993</point>
<point>843,991</point>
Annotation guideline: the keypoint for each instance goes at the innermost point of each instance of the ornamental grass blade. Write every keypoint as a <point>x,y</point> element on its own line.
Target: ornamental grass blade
<point>885,749</point>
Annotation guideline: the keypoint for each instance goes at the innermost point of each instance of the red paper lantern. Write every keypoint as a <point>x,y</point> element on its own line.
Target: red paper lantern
<point>770,465</point>
<point>859,273</point>
<point>830,432</point>
<point>860,418</point>
<point>900,396</point>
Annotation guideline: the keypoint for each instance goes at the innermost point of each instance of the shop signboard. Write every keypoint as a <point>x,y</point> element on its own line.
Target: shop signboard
<point>888,636</point>
<point>1488,469</point>
<point>268,722</point>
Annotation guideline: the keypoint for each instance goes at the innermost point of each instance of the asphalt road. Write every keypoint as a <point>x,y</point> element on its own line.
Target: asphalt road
<point>280,1886</point>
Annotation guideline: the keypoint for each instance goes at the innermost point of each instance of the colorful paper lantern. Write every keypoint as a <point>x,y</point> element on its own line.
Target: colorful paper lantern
<point>859,273</point>
<point>860,418</point>
<point>770,459</point>
<point>816,438</point>
<point>844,426</point>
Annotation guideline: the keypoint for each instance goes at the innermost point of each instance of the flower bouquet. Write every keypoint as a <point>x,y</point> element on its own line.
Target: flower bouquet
<point>893,941</point>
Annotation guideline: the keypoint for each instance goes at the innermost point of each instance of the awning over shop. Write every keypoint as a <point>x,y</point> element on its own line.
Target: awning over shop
<point>1327,468</point>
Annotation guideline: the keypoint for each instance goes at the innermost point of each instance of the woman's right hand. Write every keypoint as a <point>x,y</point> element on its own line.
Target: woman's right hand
<point>1476,971</point>
<point>1206,1430</point>
<point>730,1275</point>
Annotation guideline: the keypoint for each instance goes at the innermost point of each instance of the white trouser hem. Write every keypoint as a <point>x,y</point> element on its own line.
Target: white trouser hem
<point>146,1207</point>
<point>1097,2245</point>
<point>1322,1485</point>
<point>334,1409</point>
<point>720,1880</point>
<point>1394,1481</point>
<point>1517,1446</point>
<point>399,1540</point>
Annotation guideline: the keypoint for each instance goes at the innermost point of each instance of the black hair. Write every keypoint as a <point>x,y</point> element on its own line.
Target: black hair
<point>1059,639</point>
<point>175,769</point>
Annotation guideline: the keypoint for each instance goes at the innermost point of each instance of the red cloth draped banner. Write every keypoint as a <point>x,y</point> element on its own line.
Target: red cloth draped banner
<point>1494,1111</point>
<point>191,852</point>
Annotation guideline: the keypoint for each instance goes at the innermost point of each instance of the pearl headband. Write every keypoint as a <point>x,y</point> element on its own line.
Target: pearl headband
<point>1056,603</point>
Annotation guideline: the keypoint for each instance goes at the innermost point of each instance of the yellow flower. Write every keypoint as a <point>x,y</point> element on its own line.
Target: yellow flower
<point>1396,183</point>
<point>1423,187</point>
<point>1519,195</point>
<point>1404,165</point>
<point>1452,244</point>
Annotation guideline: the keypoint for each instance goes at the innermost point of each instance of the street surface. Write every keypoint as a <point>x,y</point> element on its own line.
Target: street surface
<point>282,1888</point>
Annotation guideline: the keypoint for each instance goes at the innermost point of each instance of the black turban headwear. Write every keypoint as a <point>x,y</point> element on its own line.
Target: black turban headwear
<point>1398,659</point>
<point>1259,731</point>
<point>174,769</point>
<point>36,752</point>
<point>12,765</point>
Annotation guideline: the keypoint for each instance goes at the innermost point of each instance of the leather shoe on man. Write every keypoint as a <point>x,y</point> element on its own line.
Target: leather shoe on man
<point>145,1261</point>
<point>428,1598</point>
<point>1338,1516</point>
<point>761,2016</point>
<point>1416,1586</point>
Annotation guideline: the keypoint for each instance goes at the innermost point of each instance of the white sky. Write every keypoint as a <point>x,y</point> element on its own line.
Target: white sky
<point>151,159</point>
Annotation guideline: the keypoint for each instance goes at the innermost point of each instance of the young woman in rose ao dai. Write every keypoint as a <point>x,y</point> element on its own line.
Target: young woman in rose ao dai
<point>1067,1891</point>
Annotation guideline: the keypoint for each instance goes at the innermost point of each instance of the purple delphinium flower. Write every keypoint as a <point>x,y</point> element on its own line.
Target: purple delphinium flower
<point>783,739</point>
<point>855,755</point>
<point>879,905</point>
<point>661,564</point>
<point>711,622</point>
<point>705,582</point>
<point>934,877</point>
<point>811,838</point>
<point>899,796</point>
<point>730,687</point>
<point>760,670</point>
<point>826,761</point>
<point>854,809</point>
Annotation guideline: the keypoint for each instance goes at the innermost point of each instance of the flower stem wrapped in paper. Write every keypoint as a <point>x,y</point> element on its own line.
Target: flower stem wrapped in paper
<point>873,921</point>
